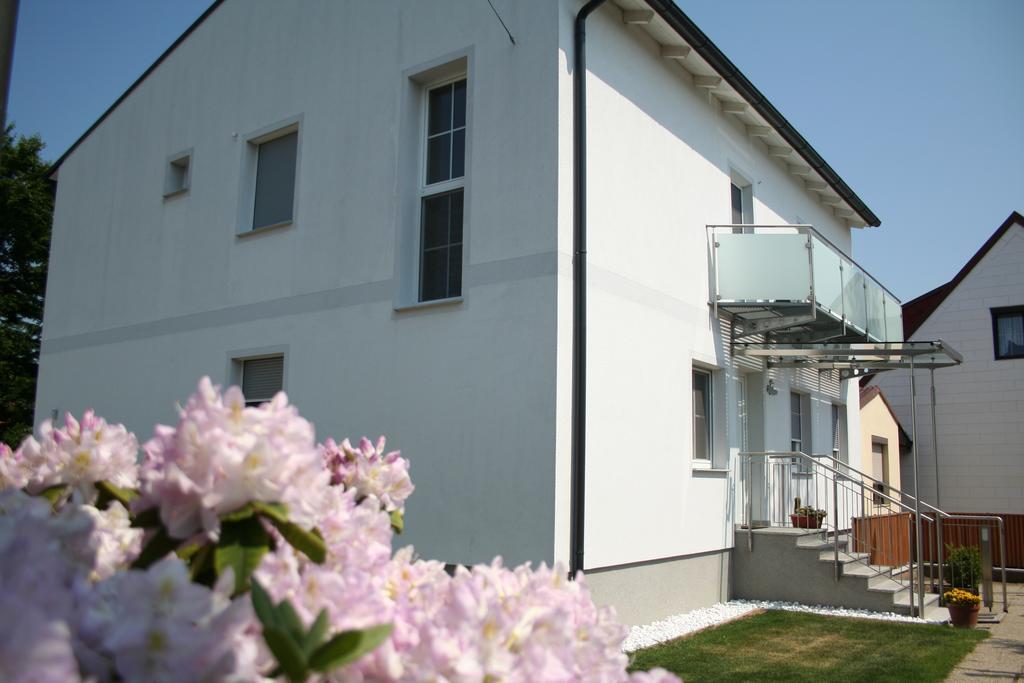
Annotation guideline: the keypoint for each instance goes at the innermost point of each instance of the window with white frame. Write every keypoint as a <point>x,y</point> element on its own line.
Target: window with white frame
<point>442,192</point>
<point>269,167</point>
<point>836,436</point>
<point>799,429</point>
<point>702,422</point>
<point>178,174</point>
<point>261,378</point>
<point>741,201</point>
<point>1008,332</point>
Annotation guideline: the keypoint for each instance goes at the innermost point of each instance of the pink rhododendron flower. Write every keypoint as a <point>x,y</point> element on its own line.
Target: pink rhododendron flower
<point>369,471</point>
<point>113,539</point>
<point>223,454</point>
<point>166,628</point>
<point>13,474</point>
<point>35,647</point>
<point>78,454</point>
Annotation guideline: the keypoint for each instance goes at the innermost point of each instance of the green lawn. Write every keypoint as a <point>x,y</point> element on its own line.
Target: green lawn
<point>792,646</point>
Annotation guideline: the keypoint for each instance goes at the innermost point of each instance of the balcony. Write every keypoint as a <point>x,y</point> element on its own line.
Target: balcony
<point>791,285</point>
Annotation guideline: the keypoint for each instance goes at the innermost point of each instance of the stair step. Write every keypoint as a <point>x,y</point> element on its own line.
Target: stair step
<point>844,557</point>
<point>903,599</point>
<point>818,542</point>
<point>935,613</point>
<point>885,584</point>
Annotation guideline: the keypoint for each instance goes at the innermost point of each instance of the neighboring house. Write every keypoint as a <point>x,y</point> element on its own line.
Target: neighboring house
<point>980,404</point>
<point>882,436</point>
<point>370,205</point>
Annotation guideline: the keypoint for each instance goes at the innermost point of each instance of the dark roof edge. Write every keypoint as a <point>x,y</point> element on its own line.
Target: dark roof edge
<point>697,40</point>
<point>138,81</point>
<point>921,308</point>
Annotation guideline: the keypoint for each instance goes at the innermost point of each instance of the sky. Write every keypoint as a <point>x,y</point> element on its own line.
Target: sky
<point>917,104</point>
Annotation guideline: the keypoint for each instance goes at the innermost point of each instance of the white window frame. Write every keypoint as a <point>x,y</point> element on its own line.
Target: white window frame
<point>746,188</point>
<point>174,161</point>
<point>710,418</point>
<point>802,465</point>
<point>441,187</point>
<point>419,79</point>
<point>250,163</point>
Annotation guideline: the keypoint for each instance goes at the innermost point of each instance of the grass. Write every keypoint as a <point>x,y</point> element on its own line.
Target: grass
<point>793,646</point>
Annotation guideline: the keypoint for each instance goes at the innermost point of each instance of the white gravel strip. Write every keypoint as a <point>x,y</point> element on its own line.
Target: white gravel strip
<point>682,624</point>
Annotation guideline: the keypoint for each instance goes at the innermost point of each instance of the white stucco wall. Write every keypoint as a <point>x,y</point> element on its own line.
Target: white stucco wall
<point>980,404</point>
<point>660,154</point>
<point>145,295</point>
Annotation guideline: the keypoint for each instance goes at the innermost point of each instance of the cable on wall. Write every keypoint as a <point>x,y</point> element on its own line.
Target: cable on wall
<point>502,22</point>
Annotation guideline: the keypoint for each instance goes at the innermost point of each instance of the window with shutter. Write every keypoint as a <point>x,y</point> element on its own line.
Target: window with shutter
<point>262,378</point>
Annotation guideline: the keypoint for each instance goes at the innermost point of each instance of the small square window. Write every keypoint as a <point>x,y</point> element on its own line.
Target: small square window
<point>261,378</point>
<point>178,174</point>
<point>1008,332</point>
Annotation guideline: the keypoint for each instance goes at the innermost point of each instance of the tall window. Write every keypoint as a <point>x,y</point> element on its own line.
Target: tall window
<point>799,429</point>
<point>737,204</point>
<point>262,378</point>
<point>741,200</point>
<point>441,195</point>
<point>880,471</point>
<point>1008,332</point>
<point>836,415</point>
<point>274,198</point>
<point>701,415</point>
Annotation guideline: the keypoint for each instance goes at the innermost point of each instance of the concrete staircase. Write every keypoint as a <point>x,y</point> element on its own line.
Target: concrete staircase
<point>798,565</point>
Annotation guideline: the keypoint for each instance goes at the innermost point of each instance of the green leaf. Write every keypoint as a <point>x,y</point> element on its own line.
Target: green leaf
<point>263,606</point>
<point>147,519</point>
<point>238,514</point>
<point>289,619</point>
<point>287,653</point>
<point>241,546</point>
<point>201,566</point>
<point>316,634</point>
<point>278,511</point>
<point>310,542</point>
<point>347,646</point>
<point>158,547</point>
<point>397,521</point>
<point>109,492</point>
<point>53,493</point>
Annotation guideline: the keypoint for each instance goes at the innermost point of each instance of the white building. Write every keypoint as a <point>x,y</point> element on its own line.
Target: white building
<point>371,206</point>
<point>980,404</point>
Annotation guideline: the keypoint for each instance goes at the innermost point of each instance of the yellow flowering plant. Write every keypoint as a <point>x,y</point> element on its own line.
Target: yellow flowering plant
<point>961,598</point>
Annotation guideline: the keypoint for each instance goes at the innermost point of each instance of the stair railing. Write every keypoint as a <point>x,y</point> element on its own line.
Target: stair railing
<point>784,474</point>
<point>939,516</point>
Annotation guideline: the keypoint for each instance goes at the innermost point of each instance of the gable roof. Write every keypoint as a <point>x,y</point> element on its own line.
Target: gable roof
<point>916,311</point>
<point>683,26</point>
<point>870,392</point>
<point>131,88</point>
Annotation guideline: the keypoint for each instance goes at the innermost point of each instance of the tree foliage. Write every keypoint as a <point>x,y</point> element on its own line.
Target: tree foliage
<point>26,210</point>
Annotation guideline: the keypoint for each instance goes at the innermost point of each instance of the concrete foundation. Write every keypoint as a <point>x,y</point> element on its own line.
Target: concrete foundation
<point>647,591</point>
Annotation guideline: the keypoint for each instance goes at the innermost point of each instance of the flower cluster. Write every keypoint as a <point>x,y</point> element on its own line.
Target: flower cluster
<point>369,471</point>
<point>77,455</point>
<point>222,455</point>
<point>232,491</point>
<point>961,598</point>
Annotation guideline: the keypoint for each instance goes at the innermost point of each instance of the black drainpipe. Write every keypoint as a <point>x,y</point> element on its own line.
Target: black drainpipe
<point>579,289</point>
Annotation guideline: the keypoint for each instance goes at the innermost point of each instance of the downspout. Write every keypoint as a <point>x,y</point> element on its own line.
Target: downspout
<point>579,289</point>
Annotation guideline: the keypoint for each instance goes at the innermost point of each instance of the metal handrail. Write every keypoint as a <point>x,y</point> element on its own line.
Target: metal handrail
<point>942,514</point>
<point>936,518</point>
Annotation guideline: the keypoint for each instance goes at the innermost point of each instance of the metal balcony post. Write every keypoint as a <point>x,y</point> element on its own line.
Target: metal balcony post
<point>835,523</point>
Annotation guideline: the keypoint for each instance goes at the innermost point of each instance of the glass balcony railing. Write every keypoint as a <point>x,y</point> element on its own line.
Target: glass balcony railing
<point>782,269</point>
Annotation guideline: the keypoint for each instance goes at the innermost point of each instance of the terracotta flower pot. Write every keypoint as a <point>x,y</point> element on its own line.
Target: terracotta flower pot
<point>963,616</point>
<point>805,521</point>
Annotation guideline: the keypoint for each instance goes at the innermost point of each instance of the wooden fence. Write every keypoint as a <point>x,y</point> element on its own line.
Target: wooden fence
<point>889,539</point>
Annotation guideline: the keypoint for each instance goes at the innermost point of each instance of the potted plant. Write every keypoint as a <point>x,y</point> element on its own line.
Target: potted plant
<point>963,607</point>
<point>963,567</point>
<point>806,517</point>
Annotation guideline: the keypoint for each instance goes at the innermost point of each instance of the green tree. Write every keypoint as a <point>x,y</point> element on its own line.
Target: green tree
<point>26,210</point>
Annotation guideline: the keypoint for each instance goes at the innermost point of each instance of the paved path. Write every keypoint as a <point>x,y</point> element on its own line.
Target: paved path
<point>1000,657</point>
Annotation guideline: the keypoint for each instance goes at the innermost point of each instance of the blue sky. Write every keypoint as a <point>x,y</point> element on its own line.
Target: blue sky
<point>917,104</point>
